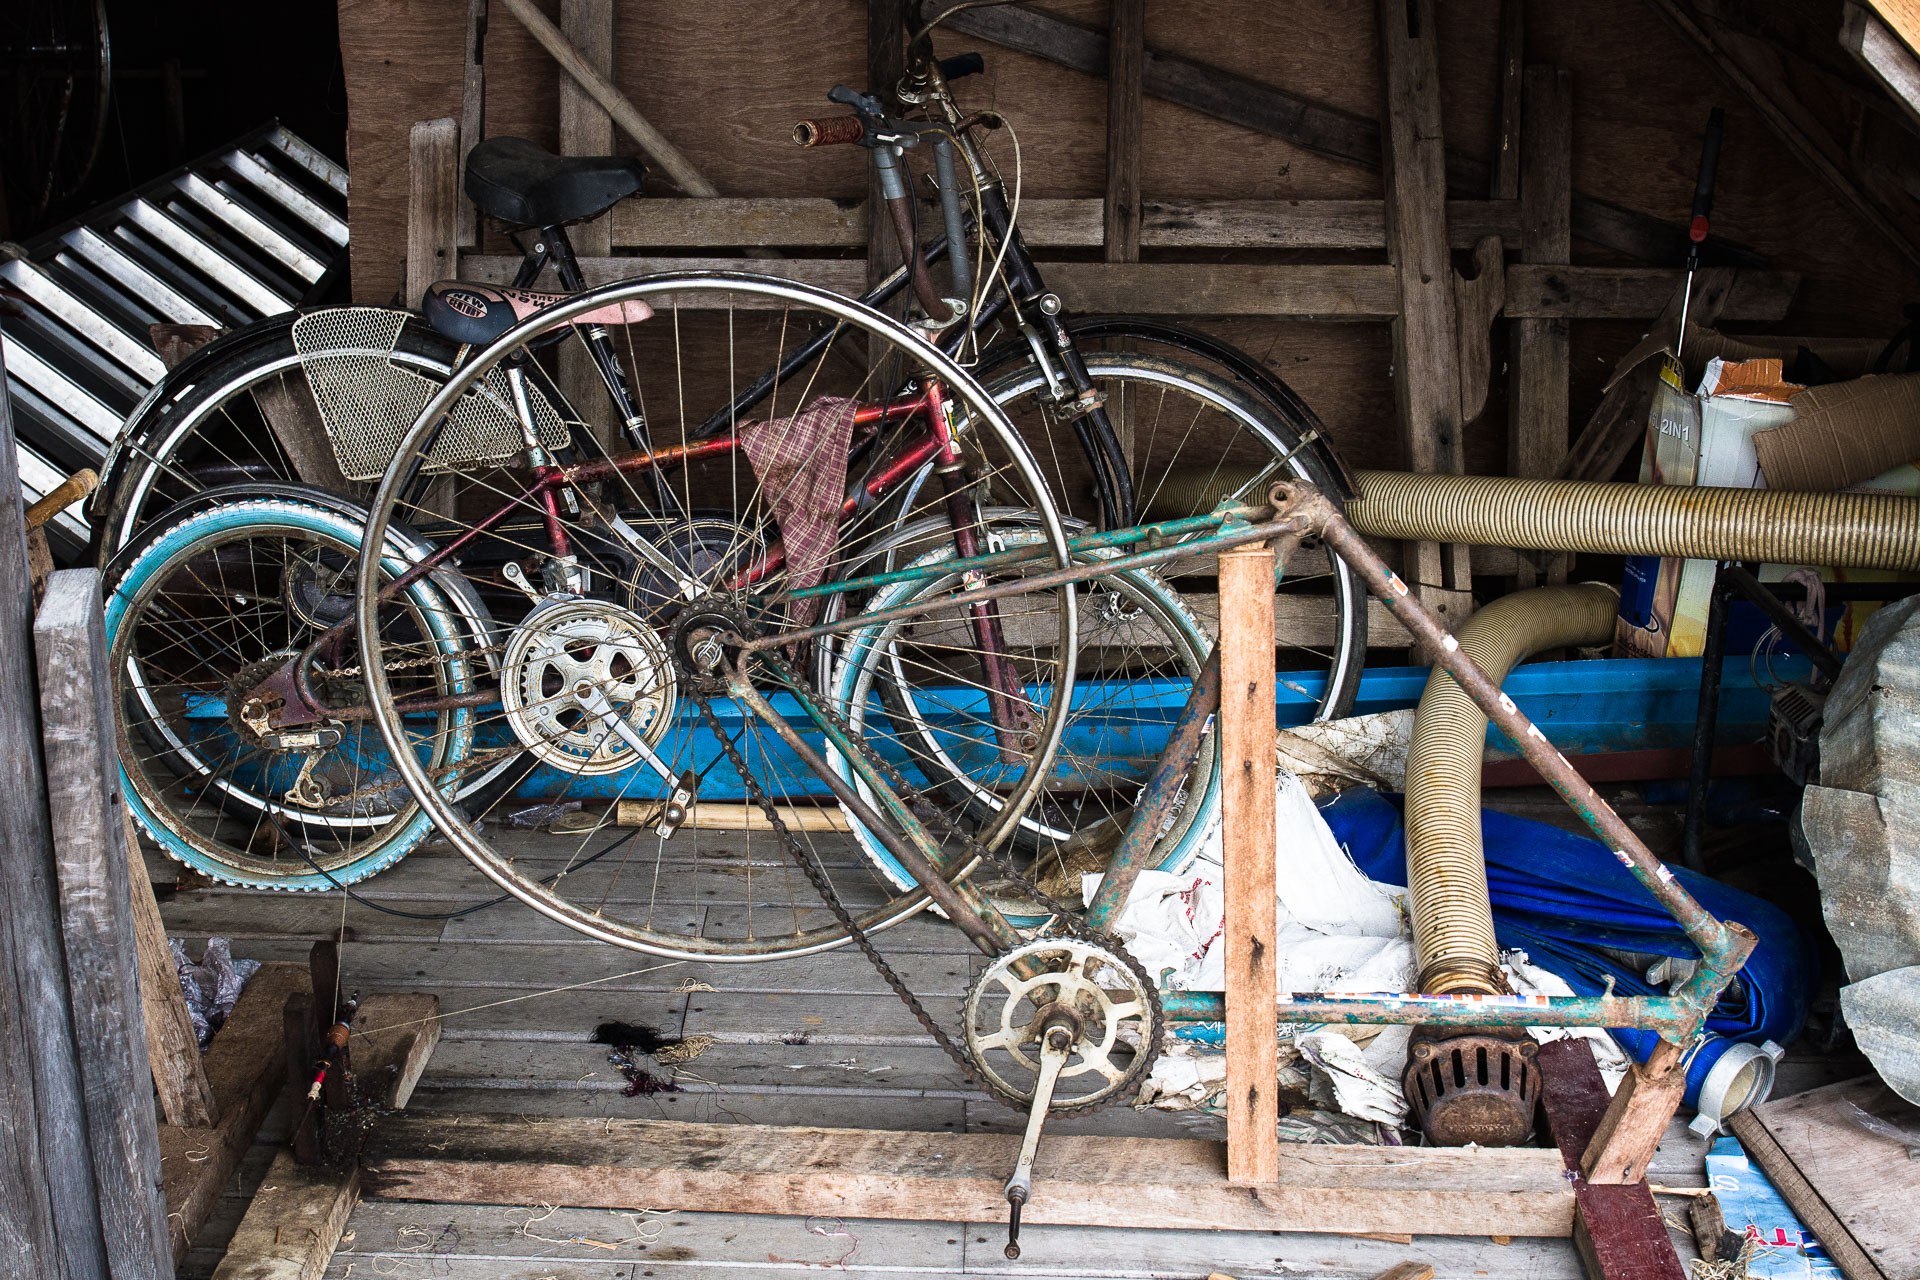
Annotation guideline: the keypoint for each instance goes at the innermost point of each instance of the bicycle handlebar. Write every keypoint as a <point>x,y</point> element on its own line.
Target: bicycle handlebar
<point>830,131</point>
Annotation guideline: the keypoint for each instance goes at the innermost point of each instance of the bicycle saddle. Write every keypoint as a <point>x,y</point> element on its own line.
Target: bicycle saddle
<point>478,313</point>
<point>523,183</point>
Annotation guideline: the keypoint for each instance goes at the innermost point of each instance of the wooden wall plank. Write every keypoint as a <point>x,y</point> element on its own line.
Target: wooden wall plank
<point>1246,729</point>
<point>1126,69</point>
<point>1505,182</point>
<point>90,856</point>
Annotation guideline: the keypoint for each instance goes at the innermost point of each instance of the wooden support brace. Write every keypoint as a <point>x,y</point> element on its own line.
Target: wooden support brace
<point>473,115</point>
<point>1637,1118</point>
<point>1246,728</point>
<point>1478,302</point>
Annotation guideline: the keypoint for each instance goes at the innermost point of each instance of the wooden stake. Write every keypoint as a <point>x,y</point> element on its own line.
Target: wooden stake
<point>473,115</point>
<point>1126,67</point>
<point>1246,729</point>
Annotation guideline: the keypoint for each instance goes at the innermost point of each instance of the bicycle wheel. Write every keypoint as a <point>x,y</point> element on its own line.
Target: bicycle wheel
<point>201,609</point>
<point>625,587</point>
<point>1193,440</point>
<point>240,409</point>
<point>1140,651</point>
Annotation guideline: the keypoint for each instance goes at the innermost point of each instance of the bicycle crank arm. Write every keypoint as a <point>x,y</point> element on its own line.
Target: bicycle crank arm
<point>1055,1044</point>
<point>593,700</point>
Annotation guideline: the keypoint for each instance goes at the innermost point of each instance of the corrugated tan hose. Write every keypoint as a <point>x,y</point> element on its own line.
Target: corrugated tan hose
<point>1842,530</point>
<point>1446,869</point>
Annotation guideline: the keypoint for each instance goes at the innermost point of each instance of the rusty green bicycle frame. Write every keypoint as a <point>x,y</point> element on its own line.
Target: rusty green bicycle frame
<point>1298,510</point>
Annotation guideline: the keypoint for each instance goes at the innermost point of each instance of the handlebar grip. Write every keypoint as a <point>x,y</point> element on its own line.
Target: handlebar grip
<point>1709,166</point>
<point>827,132</point>
<point>966,64</point>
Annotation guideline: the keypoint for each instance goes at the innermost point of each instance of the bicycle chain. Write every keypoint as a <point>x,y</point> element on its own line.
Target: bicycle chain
<point>1063,921</point>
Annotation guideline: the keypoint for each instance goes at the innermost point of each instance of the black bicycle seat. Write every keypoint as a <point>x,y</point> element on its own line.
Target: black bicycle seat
<point>523,183</point>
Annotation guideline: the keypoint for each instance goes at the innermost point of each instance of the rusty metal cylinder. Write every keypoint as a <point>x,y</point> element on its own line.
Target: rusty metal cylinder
<point>1454,946</point>
<point>1842,530</point>
<point>828,131</point>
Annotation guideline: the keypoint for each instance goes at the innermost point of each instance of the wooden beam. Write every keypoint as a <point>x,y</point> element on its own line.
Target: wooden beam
<point>1246,727</point>
<point>46,1179</point>
<point>1903,17</point>
<point>473,114</point>
<point>656,222</point>
<point>293,1224</point>
<point>952,1177</point>
<point>1537,425</point>
<point>1126,67</point>
<point>1309,124</point>
<point>90,858</point>
<point>247,1068</point>
<point>173,1053</point>
<point>1753,71</point>
<point>1426,369</point>
<point>1885,57</point>
<point>433,188</point>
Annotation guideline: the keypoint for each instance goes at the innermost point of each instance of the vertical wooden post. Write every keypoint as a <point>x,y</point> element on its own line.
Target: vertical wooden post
<point>473,116</point>
<point>587,130</point>
<point>1126,96</point>
<point>49,1215</point>
<point>886,63</point>
<point>1513,53</point>
<point>1246,729</point>
<point>1426,374</point>
<point>433,189</point>
<point>83,800</point>
<point>1537,433</point>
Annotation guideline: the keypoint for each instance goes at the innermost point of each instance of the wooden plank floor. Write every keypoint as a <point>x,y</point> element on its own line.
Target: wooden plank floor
<point>815,1041</point>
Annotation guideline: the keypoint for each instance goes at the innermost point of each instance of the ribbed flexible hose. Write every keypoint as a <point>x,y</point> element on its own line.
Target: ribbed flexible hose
<point>1446,869</point>
<point>1843,530</point>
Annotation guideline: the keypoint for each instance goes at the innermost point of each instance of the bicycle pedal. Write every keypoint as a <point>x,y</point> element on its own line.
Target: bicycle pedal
<point>679,806</point>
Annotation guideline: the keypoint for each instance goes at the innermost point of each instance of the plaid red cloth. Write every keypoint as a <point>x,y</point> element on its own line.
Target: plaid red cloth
<point>801,463</point>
